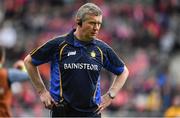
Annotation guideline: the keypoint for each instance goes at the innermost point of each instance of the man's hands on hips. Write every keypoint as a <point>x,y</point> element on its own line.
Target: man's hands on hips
<point>106,101</point>
<point>46,99</point>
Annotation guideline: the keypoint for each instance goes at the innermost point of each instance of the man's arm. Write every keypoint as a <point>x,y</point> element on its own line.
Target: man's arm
<point>117,84</point>
<point>38,83</point>
<point>34,75</point>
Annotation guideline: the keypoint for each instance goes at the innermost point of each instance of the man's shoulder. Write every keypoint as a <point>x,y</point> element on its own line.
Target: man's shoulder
<point>61,36</point>
<point>57,40</point>
<point>101,43</point>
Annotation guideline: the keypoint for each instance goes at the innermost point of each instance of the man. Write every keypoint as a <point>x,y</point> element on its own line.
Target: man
<point>7,77</point>
<point>76,61</point>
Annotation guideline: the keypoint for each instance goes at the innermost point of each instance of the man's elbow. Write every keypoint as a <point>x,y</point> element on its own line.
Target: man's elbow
<point>126,71</point>
<point>27,60</point>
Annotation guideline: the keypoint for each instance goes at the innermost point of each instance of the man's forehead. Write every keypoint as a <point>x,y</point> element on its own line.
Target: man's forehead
<point>93,18</point>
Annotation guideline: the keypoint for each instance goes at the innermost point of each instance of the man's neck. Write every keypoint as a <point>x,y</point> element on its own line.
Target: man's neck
<point>80,37</point>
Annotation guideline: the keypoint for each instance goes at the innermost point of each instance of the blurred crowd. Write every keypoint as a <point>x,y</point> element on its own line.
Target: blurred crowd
<point>144,33</point>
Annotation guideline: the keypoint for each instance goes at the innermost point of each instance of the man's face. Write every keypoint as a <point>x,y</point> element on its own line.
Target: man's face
<point>90,26</point>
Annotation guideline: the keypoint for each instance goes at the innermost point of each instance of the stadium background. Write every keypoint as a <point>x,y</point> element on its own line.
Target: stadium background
<point>144,33</point>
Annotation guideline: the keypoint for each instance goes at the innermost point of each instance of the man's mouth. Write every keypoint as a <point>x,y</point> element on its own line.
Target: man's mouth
<point>94,33</point>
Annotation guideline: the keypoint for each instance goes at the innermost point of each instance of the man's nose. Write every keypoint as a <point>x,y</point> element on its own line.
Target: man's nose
<point>96,27</point>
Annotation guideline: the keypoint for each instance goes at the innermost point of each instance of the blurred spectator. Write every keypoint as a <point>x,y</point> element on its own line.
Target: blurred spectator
<point>8,76</point>
<point>174,110</point>
<point>8,35</point>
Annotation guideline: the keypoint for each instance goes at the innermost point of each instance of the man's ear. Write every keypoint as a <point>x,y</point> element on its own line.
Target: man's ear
<point>79,22</point>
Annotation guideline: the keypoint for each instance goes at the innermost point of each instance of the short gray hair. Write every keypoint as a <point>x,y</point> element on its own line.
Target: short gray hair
<point>88,8</point>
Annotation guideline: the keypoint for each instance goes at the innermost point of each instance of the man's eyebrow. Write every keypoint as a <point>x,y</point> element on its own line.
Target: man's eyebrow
<point>96,22</point>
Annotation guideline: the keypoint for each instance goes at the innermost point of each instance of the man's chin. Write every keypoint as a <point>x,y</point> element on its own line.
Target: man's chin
<point>93,36</point>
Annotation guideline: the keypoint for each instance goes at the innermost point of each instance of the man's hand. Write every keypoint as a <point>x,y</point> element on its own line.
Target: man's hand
<point>106,101</point>
<point>47,100</point>
<point>117,84</point>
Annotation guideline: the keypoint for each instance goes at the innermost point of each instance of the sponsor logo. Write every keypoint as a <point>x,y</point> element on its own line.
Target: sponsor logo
<point>71,53</point>
<point>84,66</point>
<point>93,54</point>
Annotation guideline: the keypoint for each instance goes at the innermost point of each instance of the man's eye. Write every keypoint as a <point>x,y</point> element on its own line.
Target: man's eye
<point>92,23</point>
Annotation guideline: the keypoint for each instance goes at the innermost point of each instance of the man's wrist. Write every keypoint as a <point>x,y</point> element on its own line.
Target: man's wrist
<point>42,91</point>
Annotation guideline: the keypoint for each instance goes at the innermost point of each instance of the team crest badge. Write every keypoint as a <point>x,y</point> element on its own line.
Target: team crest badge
<point>93,54</point>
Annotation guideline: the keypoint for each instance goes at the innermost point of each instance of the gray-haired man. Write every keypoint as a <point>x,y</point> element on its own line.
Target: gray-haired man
<point>76,61</point>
